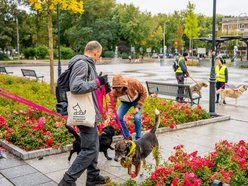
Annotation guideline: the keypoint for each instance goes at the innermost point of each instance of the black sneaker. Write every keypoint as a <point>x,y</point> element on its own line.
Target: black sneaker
<point>224,102</point>
<point>216,101</point>
<point>64,183</point>
<point>97,180</point>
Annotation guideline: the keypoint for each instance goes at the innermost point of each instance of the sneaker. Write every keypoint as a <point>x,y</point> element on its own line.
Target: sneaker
<point>64,183</point>
<point>224,102</point>
<point>97,180</point>
<point>216,101</point>
<point>129,138</point>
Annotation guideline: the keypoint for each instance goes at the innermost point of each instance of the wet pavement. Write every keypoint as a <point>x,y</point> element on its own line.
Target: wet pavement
<point>50,169</point>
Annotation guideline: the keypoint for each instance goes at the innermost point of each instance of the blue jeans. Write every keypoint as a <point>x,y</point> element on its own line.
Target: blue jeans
<point>122,110</point>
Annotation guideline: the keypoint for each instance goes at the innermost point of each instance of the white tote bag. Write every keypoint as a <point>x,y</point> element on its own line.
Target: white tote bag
<point>81,110</point>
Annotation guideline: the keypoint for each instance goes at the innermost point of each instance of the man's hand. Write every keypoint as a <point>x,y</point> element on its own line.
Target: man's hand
<point>107,87</point>
<point>136,110</point>
<point>103,79</point>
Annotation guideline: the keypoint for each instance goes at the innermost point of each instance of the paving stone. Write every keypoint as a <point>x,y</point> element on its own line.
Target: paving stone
<point>51,183</point>
<point>18,171</point>
<point>9,162</point>
<point>5,182</point>
<point>31,179</point>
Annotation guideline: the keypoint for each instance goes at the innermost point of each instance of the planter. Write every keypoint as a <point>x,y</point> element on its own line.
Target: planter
<point>25,155</point>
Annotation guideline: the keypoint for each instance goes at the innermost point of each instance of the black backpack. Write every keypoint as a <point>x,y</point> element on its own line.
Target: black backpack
<point>175,65</point>
<point>63,87</point>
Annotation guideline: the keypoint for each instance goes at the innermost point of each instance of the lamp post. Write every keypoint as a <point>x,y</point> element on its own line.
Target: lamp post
<point>212,73</point>
<point>17,34</point>
<point>164,44</point>
<point>58,24</point>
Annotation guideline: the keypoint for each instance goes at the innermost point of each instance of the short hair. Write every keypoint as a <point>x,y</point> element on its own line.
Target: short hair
<point>93,45</point>
<point>185,54</point>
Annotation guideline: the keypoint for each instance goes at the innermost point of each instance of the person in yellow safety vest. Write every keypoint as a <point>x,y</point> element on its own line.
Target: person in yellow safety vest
<point>221,74</point>
<point>181,73</point>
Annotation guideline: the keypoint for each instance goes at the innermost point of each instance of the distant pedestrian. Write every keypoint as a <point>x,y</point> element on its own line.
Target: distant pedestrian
<point>221,74</point>
<point>181,73</point>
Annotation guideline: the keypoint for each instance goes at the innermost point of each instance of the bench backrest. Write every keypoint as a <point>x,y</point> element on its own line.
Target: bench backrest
<point>168,89</point>
<point>3,70</point>
<point>27,72</point>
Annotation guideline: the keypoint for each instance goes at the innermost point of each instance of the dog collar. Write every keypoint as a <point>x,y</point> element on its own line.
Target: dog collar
<point>132,149</point>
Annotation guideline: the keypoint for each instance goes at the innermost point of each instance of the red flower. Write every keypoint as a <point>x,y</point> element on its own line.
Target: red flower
<point>49,142</point>
<point>133,175</point>
<point>175,181</point>
<point>2,121</point>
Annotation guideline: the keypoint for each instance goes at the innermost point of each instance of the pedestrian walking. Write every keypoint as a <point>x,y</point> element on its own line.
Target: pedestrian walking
<point>221,74</point>
<point>84,79</point>
<point>181,73</point>
<point>131,93</point>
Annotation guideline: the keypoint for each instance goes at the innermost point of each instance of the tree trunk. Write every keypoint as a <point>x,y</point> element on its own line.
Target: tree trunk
<point>50,37</point>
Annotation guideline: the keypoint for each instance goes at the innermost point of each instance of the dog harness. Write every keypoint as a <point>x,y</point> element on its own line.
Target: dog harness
<point>132,149</point>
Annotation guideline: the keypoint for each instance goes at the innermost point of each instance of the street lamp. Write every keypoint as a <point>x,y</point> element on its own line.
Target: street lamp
<point>164,44</point>
<point>58,24</point>
<point>212,73</point>
<point>17,34</point>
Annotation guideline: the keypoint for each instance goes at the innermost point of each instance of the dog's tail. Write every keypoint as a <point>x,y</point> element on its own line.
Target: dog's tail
<point>157,121</point>
<point>72,131</point>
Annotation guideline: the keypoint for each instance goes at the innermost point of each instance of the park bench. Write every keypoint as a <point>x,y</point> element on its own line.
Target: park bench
<point>4,71</point>
<point>31,73</point>
<point>170,91</point>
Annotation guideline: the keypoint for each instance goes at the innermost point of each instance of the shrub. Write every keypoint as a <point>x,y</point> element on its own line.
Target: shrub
<point>42,51</point>
<point>3,56</point>
<point>124,56</point>
<point>29,52</point>
<point>66,53</point>
<point>109,54</point>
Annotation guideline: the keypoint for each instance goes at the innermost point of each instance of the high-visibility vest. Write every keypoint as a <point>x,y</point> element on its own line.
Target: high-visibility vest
<point>179,70</point>
<point>220,73</point>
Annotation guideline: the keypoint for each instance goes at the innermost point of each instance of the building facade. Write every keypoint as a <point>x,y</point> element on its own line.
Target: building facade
<point>235,26</point>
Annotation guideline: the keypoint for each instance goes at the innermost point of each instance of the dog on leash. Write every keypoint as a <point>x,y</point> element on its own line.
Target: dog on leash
<point>231,93</point>
<point>197,88</point>
<point>134,153</point>
<point>105,141</point>
<point>76,145</point>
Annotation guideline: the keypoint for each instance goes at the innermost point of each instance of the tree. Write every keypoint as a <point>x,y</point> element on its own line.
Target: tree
<point>49,6</point>
<point>179,38</point>
<point>191,24</point>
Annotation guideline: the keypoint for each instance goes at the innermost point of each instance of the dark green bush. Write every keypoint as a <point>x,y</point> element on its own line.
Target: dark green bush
<point>29,52</point>
<point>108,54</point>
<point>3,56</point>
<point>66,53</point>
<point>124,56</point>
<point>42,51</point>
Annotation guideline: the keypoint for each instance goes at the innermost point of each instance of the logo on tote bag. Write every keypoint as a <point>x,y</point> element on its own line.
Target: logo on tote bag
<point>78,110</point>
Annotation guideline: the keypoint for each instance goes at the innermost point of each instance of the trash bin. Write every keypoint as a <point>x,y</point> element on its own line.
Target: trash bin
<point>161,57</point>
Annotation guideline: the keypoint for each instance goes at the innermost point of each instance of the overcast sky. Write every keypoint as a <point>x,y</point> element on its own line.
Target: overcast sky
<point>224,7</point>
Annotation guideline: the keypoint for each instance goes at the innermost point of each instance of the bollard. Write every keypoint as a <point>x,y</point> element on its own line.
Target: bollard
<point>161,57</point>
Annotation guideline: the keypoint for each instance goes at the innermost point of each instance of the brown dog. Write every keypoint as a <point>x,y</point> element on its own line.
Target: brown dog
<point>135,152</point>
<point>231,93</point>
<point>197,88</point>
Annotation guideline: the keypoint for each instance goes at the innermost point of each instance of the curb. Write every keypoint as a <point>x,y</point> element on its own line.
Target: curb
<point>25,155</point>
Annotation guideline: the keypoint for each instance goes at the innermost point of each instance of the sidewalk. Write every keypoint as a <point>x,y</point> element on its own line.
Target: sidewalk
<point>49,170</point>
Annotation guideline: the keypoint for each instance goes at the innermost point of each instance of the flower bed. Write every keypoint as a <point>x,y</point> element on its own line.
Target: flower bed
<point>227,163</point>
<point>31,129</point>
